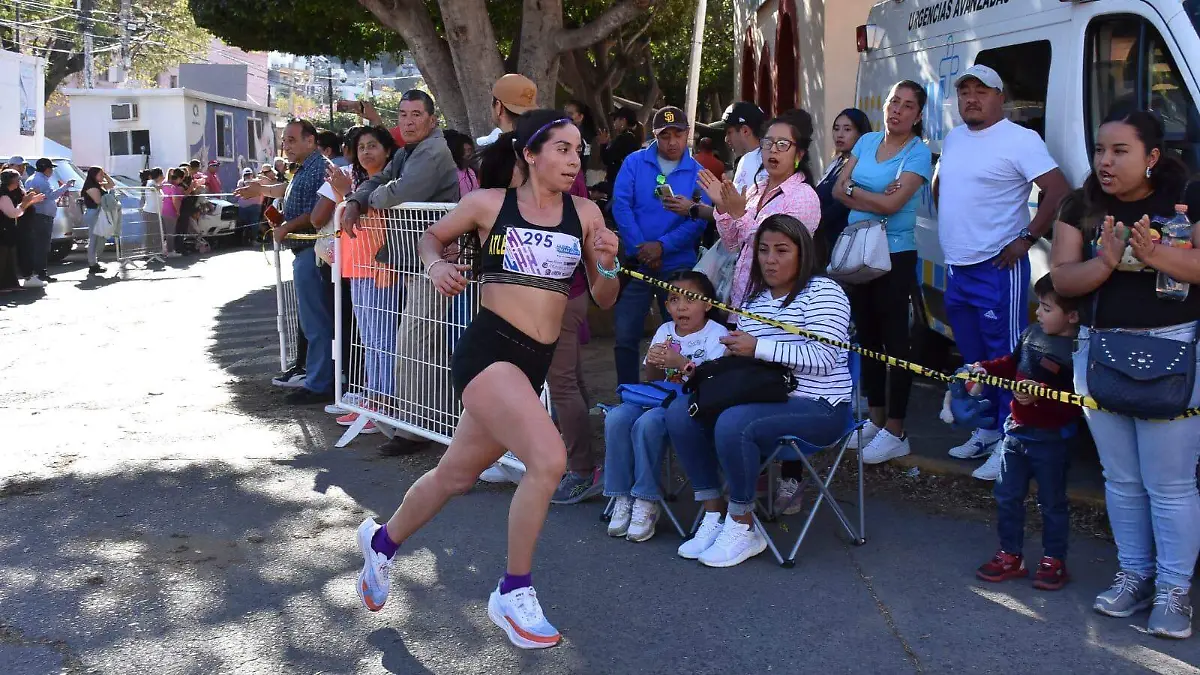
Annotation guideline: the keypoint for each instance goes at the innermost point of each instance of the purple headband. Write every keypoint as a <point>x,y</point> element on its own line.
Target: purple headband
<point>544,128</point>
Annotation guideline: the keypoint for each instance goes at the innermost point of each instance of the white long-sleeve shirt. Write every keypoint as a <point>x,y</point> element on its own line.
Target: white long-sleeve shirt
<point>822,308</point>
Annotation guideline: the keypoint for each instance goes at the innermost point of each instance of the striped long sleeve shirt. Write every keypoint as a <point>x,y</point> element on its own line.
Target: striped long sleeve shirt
<point>822,308</point>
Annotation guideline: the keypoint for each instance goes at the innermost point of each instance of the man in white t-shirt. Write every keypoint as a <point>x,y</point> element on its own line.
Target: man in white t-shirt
<point>743,123</point>
<point>982,189</point>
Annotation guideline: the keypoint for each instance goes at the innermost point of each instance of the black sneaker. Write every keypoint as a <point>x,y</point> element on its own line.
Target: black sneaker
<point>96,269</point>
<point>306,396</point>
<point>291,378</point>
<point>47,278</point>
<point>574,488</point>
<point>402,447</point>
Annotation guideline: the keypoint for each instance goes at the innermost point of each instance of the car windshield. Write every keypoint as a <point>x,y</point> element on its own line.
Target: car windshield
<point>65,171</point>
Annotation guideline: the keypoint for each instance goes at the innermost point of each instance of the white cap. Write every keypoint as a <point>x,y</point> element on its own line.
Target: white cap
<point>982,73</point>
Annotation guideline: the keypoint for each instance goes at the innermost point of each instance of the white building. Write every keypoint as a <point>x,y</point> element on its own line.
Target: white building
<point>127,130</point>
<point>800,53</point>
<point>22,110</point>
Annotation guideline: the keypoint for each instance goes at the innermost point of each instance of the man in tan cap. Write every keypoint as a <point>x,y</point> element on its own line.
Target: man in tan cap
<point>512,95</point>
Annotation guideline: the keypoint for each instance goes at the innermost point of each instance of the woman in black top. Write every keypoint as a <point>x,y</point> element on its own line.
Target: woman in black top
<point>1149,466</point>
<point>95,186</point>
<point>532,237</point>
<point>848,127</point>
<point>13,203</point>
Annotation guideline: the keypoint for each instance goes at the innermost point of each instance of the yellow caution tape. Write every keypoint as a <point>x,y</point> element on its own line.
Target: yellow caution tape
<point>1024,386</point>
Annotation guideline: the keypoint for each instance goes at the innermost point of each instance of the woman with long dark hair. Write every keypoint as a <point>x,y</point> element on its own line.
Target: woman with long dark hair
<point>532,239</point>
<point>462,149</point>
<point>14,201</point>
<point>1149,466</point>
<point>95,185</point>
<point>850,125</point>
<point>785,285</point>
<point>882,181</point>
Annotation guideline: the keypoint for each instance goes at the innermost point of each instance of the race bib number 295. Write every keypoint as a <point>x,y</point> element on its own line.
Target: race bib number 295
<point>540,253</point>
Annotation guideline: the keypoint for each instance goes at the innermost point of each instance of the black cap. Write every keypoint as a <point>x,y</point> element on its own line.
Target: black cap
<point>669,117</point>
<point>742,113</point>
<point>43,164</point>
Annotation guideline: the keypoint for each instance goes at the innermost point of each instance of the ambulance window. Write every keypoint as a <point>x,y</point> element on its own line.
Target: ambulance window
<point>1130,66</point>
<point>1025,69</point>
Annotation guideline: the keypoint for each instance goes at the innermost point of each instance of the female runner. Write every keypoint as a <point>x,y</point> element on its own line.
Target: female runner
<point>533,238</point>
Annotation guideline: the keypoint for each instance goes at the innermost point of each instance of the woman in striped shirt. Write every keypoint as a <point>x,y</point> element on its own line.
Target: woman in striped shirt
<point>783,287</point>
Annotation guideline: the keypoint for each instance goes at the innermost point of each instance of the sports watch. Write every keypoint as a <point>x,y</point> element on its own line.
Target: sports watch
<point>1027,235</point>
<point>850,189</point>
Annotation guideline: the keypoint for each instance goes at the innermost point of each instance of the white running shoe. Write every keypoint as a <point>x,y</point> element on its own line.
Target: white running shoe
<point>519,615</point>
<point>374,580</point>
<point>706,534</point>
<point>34,282</point>
<point>990,470</point>
<point>643,520</point>
<point>736,543</point>
<point>618,525</point>
<point>981,442</point>
<point>885,447</point>
<point>869,432</point>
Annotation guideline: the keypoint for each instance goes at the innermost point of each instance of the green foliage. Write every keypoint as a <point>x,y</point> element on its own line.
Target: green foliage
<point>341,28</point>
<point>671,47</point>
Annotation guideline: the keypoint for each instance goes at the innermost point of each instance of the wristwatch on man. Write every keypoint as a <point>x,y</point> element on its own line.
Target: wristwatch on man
<point>850,189</point>
<point>1027,235</point>
<point>694,211</point>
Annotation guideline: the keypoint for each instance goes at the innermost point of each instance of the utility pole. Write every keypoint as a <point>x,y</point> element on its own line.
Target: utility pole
<point>292,88</point>
<point>17,29</point>
<point>329,71</point>
<point>126,17</point>
<point>85,26</point>
<point>693,85</point>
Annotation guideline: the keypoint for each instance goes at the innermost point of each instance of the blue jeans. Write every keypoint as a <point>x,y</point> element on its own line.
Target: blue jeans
<point>635,442</point>
<point>1149,480</point>
<point>316,320</point>
<point>742,437</point>
<point>1045,457</point>
<point>987,308</point>
<point>377,327</point>
<point>629,325</point>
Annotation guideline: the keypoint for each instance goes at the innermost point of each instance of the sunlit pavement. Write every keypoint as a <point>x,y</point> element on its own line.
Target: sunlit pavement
<point>161,511</point>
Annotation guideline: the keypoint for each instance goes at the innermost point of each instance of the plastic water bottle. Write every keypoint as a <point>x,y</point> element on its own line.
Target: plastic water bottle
<point>1176,233</point>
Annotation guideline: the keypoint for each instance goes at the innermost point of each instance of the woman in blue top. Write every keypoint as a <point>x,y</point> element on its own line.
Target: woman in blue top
<point>882,181</point>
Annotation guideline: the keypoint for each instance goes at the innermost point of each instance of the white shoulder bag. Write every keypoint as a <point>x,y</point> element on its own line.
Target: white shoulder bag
<point>860,253</point>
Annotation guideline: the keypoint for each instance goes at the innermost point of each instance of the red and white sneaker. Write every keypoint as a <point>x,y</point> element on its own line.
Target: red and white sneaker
<point>1002,567</point>
<point>348,419</point>
<point>1051,574</point>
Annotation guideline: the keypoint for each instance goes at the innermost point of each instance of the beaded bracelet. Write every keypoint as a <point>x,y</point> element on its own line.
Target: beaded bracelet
<point>609,274</point>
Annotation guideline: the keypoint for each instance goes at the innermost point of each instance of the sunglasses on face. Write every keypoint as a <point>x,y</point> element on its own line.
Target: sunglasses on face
<point>780,144</point>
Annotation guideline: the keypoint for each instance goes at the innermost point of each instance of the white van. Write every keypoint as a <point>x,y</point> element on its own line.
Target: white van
<point>1064,64</point>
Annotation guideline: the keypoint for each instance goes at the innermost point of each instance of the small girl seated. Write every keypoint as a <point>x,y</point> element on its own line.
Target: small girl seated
<point>635,437</point>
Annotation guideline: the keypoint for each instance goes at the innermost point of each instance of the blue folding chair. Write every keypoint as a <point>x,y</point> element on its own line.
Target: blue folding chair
<point>793,448</point>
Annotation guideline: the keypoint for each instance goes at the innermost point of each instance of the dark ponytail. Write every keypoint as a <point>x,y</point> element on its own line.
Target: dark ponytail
<point>922,97</point>
<point>497,162</point>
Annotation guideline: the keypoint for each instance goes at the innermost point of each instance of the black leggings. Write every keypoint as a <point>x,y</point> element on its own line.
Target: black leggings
<point>880,309</point>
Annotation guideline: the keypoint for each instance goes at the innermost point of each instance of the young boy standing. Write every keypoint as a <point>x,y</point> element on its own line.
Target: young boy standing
<point>1037,442</point>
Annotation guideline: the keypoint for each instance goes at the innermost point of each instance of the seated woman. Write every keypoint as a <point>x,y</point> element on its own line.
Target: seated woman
<point>783,287</point>
<point>635,437</point>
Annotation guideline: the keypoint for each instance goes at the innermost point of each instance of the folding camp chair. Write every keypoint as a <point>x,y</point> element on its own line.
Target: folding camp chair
<point>792,448</point>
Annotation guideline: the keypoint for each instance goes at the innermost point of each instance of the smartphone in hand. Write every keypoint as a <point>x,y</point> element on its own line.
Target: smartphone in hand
<point>273,216</point>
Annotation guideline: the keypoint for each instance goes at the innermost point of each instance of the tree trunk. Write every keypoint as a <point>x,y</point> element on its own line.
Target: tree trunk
<point>539,56</point>
<point>477,62</point>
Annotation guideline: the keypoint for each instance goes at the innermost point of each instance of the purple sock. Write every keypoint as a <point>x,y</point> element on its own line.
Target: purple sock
<point>512,582</point>
<point>382,543</point>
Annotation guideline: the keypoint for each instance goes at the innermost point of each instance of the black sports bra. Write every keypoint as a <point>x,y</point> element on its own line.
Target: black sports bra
<point>523,254</point>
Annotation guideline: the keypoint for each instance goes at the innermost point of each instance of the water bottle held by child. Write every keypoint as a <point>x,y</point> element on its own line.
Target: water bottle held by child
<point>1176,233</point>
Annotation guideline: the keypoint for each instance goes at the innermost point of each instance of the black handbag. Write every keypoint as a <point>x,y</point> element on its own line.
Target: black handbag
<point>1140,375</point>
<point>736,380</point>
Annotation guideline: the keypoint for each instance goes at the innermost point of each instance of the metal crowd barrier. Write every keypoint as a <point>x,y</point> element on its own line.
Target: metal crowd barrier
<point>287,312</point>
<point>140,236</point>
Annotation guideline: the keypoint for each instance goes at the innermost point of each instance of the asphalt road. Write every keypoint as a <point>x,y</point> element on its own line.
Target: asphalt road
<point>161,511</point>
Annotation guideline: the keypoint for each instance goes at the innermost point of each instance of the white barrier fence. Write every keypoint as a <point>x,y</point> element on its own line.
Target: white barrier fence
<point>140,236</point>
<point>287,312</point>
<point>399,371</point>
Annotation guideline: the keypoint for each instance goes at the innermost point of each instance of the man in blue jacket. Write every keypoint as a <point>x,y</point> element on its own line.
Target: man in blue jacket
<point>652,205</point>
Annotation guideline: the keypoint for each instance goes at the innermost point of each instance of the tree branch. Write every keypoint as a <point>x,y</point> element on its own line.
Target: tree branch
<point>602,26</point>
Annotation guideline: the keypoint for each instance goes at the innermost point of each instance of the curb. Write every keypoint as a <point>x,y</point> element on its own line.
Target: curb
<point>1083,496</point>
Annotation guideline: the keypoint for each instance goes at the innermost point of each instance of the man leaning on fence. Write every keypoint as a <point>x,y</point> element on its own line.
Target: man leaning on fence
<point>422,171</point>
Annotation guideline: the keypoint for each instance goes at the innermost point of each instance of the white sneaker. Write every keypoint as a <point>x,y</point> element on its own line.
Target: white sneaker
<point>508,469</point>
<point>981,442</point>
<point>374,580</point>
<point>641,524</point>
<point>737,542</point>
<point>884,447</point>
<point>34,282</point>
<point>869,432</point>
<point>990,470</point>
<point>707,533</point>
<point>618,525</point>
<point>519,614</point>
<point>787,501</point>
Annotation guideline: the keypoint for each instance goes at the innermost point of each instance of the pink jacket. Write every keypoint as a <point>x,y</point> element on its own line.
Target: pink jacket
<point>794,197</point>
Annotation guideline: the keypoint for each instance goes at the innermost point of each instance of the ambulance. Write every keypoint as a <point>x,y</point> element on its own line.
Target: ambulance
<point>1064,64</point>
